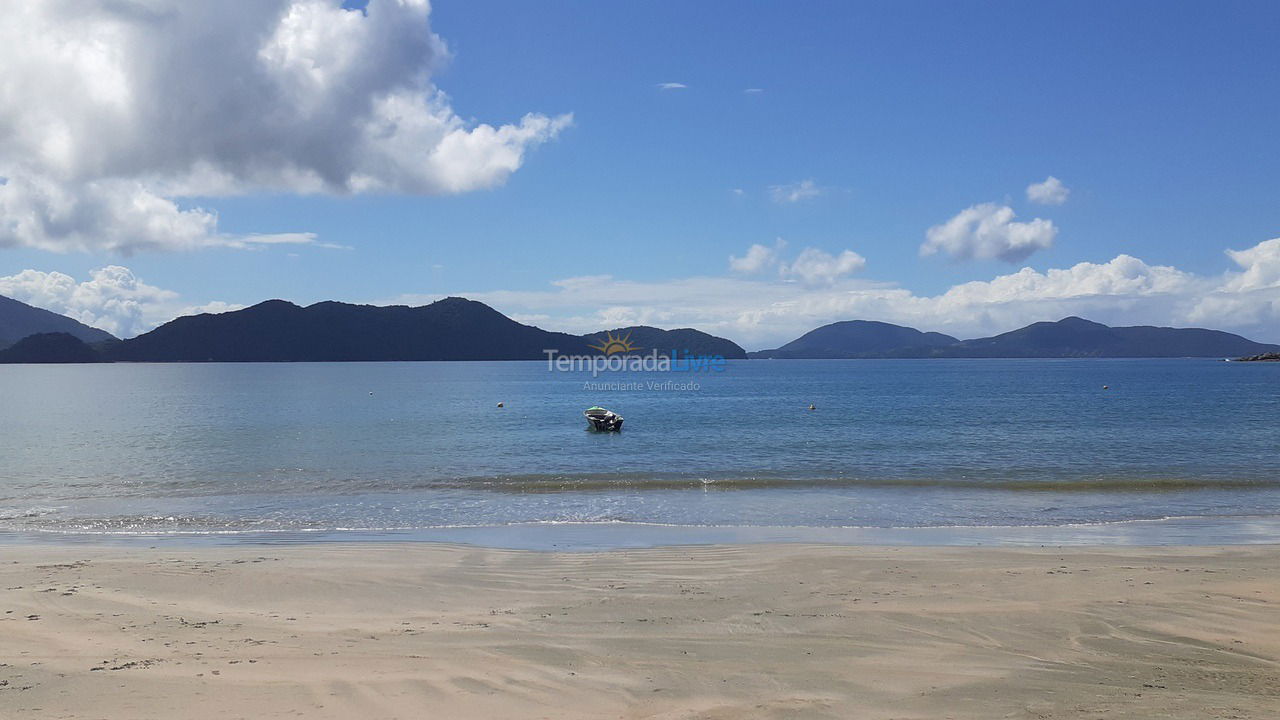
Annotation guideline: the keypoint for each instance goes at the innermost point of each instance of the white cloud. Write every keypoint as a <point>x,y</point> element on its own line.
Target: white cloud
<point>1260,267</point>
<point>795,192</point>
<point>816,267</point>
<point>1124,275</point>
<point>112,299</point>
<point>1049,192</point>
<point>672,86</point>
<point>811,267</point>
<point>988,231</point>
<point>753,91</point>
<point>758,259</point>
<point>254,242</point>
<point>120,216</point>
<point>1250,296</point>
<point>111,113</point>
<point>766,311</point>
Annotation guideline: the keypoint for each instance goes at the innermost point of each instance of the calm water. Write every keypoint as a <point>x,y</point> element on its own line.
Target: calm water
<point>361,448</point>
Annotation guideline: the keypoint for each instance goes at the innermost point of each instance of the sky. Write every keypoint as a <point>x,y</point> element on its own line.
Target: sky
<point>752,169</point>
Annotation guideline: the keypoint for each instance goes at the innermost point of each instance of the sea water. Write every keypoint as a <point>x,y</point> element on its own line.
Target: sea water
<point>943,449</point>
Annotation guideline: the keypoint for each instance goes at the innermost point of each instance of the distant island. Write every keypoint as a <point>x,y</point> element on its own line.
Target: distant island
<point>856,339</point>
<point>460,329</point>
<point>56,347</point>
<point>1066,338</point>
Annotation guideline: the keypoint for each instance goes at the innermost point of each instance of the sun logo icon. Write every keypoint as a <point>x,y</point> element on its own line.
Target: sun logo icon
<point>612,345</point>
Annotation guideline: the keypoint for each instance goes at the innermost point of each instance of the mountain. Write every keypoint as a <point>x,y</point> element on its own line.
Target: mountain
<point>1069,337</point>
<point>1077,337</point>
<point>50,348</point>
<point>449,329</point>
<point>683,340</point>
<point>856,338</point>
<point>279,331</point>
<point>461,329</point>
<point>18,320</point>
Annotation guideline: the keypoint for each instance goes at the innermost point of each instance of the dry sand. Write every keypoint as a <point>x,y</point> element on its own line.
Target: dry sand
<point>782,631</point>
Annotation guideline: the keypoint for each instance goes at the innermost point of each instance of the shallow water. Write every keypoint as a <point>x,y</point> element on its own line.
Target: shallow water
<point>358,449</point>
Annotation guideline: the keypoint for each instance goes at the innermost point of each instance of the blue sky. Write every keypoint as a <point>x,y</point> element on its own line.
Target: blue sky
<point>1159,117</point>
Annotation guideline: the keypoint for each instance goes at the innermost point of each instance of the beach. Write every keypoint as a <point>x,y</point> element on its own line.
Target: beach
<point>411,630</point>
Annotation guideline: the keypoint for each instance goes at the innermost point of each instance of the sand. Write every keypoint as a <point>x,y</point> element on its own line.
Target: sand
<point>370,631</point>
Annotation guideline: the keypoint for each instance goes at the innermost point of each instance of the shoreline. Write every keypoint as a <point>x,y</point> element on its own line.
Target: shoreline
<point>401,630</point>
<point>1195,531</point>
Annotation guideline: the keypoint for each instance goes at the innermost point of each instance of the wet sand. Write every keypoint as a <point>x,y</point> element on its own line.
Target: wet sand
<point>417,630</point>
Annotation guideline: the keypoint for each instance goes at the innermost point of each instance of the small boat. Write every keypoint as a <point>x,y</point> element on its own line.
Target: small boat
<point>602,420</point>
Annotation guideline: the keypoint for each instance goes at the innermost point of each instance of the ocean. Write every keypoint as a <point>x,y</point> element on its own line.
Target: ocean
<point>968,451</point>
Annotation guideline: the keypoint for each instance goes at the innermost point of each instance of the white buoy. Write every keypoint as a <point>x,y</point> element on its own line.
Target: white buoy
<point>501,405</point>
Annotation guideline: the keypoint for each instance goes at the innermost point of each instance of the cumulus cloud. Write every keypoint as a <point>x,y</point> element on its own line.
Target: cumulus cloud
<point>672,86</point>
<point>763,310</point>
<point>112,299</point>
<point>758,259</point>
<point>1124,290</point>
<point>1049,192</point>
<point>795,192</point>
<point>988,231</point>
<point>816,267</point>
<point>811,267</point>
<point>1250,296</point>
<point>120,216</point>
<point>1259,267</point>
<point>112,113</point>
